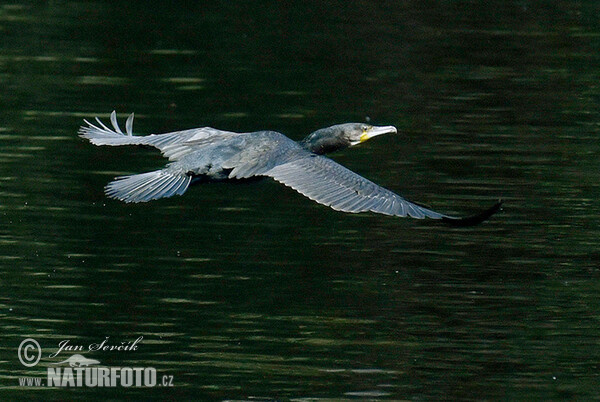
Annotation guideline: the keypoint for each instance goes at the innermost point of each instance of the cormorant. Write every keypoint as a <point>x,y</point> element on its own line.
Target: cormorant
<point>218,155</point>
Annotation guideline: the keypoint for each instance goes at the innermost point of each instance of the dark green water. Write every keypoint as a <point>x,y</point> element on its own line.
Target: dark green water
<point>251,291</point>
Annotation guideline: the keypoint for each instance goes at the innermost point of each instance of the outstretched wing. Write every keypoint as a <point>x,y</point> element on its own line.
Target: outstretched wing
<point>329,183</point>
<point>173,145</point>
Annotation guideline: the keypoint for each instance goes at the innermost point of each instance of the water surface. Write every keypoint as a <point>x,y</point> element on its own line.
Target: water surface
<point>249,290</point>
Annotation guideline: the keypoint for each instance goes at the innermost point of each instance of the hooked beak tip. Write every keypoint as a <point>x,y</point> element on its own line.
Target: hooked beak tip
<point>375,131</point>
<point>382,130</point>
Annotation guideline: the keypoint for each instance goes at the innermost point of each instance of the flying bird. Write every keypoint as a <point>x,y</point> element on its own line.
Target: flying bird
<point>217,155</point>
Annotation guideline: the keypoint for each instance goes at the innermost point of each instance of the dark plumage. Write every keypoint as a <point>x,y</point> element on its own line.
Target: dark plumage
<point>300,165</point>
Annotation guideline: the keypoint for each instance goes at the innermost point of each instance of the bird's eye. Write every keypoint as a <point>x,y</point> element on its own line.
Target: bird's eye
<point>365,128</point>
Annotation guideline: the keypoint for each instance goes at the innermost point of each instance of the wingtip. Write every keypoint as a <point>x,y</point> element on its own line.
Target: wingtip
<point>475,219</point>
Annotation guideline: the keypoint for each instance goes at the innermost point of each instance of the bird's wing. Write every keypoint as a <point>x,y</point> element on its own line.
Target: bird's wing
<point>173,145</point>
<point>329,183</point>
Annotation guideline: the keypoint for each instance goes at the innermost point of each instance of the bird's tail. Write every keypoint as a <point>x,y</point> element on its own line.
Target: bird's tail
<point>149,186</point>
<point>102,135</point>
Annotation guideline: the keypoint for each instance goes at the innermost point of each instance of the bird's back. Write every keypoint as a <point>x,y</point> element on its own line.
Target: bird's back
<point>244,154</point>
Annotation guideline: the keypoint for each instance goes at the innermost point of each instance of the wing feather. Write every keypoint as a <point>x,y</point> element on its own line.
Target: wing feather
<point>173,145</point>
<point>329,183</point>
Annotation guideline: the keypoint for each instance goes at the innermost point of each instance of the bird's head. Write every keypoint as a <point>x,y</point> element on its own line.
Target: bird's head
<point>341,136</point>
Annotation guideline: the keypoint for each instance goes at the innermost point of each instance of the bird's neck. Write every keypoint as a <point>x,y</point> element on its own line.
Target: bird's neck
<point>323,141</point>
